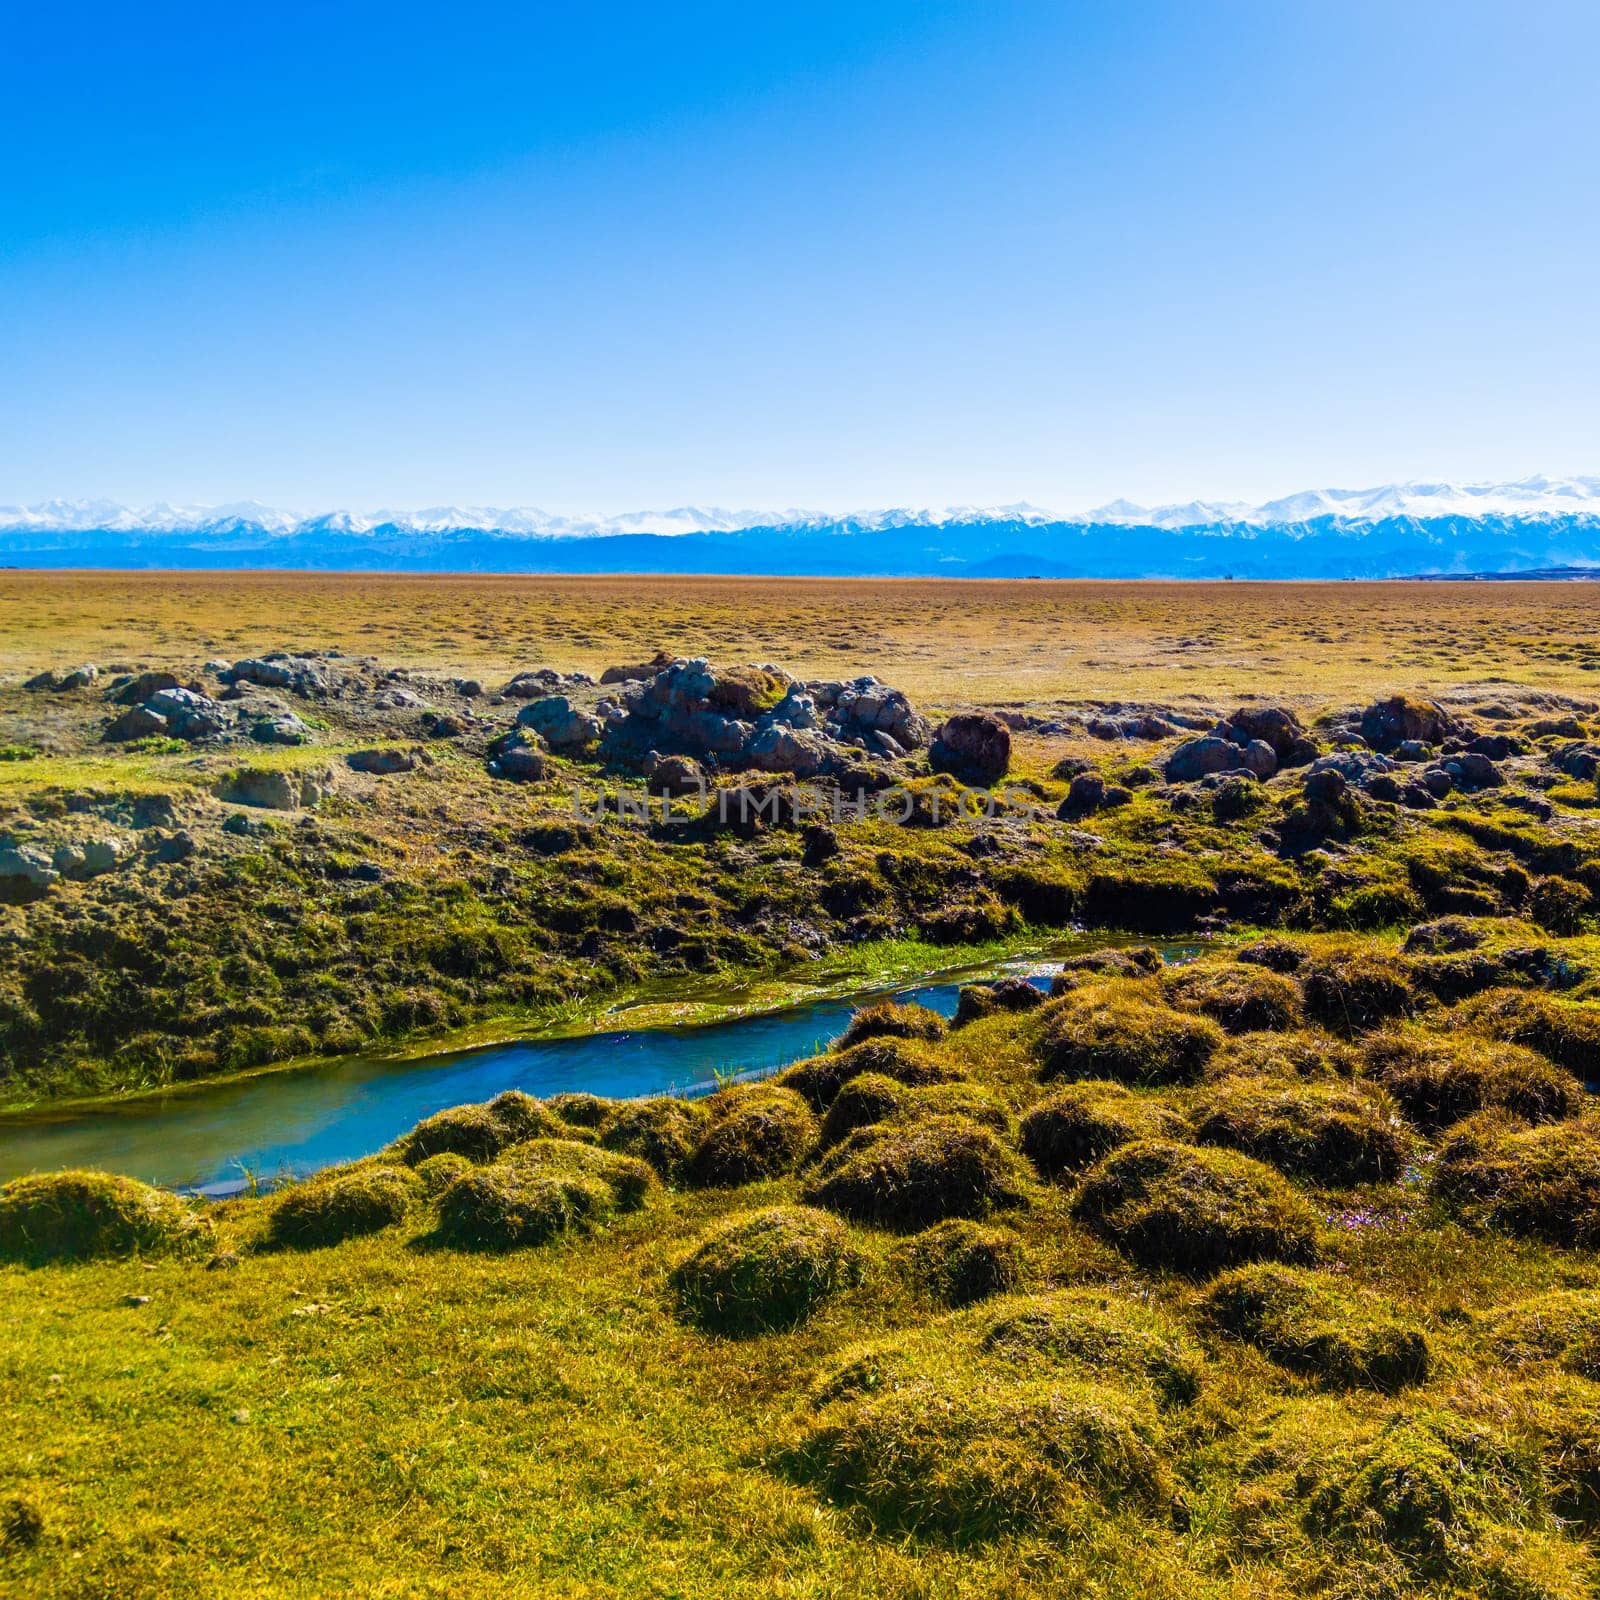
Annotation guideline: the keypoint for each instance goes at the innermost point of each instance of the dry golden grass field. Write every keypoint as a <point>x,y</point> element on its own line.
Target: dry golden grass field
<point>942,642</point>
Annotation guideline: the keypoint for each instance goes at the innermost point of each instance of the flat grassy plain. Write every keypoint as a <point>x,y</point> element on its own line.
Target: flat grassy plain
<point>944,643</point>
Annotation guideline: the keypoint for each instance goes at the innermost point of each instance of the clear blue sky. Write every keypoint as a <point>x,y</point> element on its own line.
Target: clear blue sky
<point>599,257</point>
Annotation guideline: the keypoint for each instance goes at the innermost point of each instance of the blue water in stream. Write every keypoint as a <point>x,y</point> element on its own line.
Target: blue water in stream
<point>287,1124</point>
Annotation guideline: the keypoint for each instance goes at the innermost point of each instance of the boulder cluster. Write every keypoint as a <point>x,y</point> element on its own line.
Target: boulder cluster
<point>1255,740</point>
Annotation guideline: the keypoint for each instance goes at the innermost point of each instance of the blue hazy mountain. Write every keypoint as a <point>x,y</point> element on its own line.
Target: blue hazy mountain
<point>1534,526</point>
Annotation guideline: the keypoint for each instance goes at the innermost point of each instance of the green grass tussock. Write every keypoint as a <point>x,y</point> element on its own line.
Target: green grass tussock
<point>1308,1321</point>
<point>1242,998</point>
<point>959,1262</point>
<point>1328,1133</point>
<point>479,1132</point>
<point>1075,1126</point>
<point>819,1079</point>
<point>908,1175</point>
<point>1194,1210</point>
<point>1113,1030</point>
<point>509,1207</point>
<point>764,1271</point>
<point>892,1019</point>
<point>1541,1182</point>
<point>1439,1078</point>
<point>1562,1325</point>
<point>1352,990</point>
<point>1567,1031</point>
<point>85,1216</point>
<point>757,1132</point>
<point>343,1205</point>
<point>663,1131</point>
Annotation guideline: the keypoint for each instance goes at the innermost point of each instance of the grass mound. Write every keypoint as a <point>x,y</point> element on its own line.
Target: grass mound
<point>754,1133</point>
<point>959,1262</point>
<point>1307,1321</point>
<point>1243,998</point>
<point>1194,1210</point>
<point>1113,1337</point>
<point>630,1179</point>
<point>1304,1055</point>
<point>892,1019</point>
<point>1354,990</point>
<point>818,1080</point>
<point>1440,1078</point>
<point>437,1173</point>
<point>1137,961</point>
<point>662,1131</point>
<point>509,1207</point>
<point>909,1175</point>
<point>1563,1325</point>
<point>1388,1505</point>
<point>479,1132</point>
<point>763,1271</point>
<point>84,1216</point>
<point>942,1456</point>
<point>1330,1133</point>
<point>1565,1031</point>
<point>862,1101</point>
<point>1077,1125</point>
<point>345,1205</point>
<point>1108,1030</point>
<point>1541,1182</point>
<point>590,1111</point>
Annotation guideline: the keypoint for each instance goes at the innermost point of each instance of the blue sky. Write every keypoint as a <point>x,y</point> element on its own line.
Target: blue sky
<point>600,257</point>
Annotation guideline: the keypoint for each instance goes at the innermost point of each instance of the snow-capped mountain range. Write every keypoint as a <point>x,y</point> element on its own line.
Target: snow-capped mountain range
<point>1393,530</point>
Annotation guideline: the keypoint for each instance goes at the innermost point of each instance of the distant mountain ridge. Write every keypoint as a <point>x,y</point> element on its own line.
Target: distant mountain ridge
<point>1536,525</point>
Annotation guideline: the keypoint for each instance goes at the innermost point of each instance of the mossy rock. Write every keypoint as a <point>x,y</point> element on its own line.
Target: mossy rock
<point>1345,1337</point>
<point>1563,1325</point>
<point>662,1131</point>
<point>1329,1133</point>
<point>1112,1337</point>
<point>892,1019</point>
<point>1112,1030</point>
<point>907,1175</point>
<point>1440,1078</point>
<point>942,1456</point>
<point>1243,999</point>
<point>1541,1182</point>
<point>344,1205</point>
<point>1565,1031</point>
<point>437,1173</point>
<point>754,1133</point>
<point>511,1207</point>
<point>819,1079</point>
<point>1353,990</point>
<point>959,1262</point>
<point>1194,1210</point>
<point>1075,1126</point>
<point>764,1271</point>
<point>85,1216</point>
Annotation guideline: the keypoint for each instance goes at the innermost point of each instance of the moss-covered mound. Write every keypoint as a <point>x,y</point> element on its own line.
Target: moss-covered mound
<point>1113,1030</point>
<point>1076,1125</point>
<point>959,1262</point>
<point>892,1019</point>
<point>866,1099</point>
<point>1563,1325</point>
<point>509,1207</point>
<point>437,1173</point>
<point>1312,1323</point>
<point>540,1191</point>
<point>940,1455</point>
<point>754,1133</point>
<point>1439,1078</point>
<point>1353,990</point>
<point>1194,1210</point>
<point>1331,1133</point>
<point>1541,1182</point>
<point>762,1271</point>
<point>82,1216</point>
<point>1566,1031</point>
<point>577,1110</point>
<point>1414,1502</point>
<point>819,1079</point>
<point>343,1205</point>
<point>1304,1055</point>
<point>479,1132</point>
<point>1112,1337</point>
<point>662,1131</point>
<point>1243,998</point>
<point>907,1175</point>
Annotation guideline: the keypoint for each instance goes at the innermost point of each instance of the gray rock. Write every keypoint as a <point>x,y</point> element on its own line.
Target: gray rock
<point>467,688</point>
<point>384,761</point>
<point>1275,726</point>
<point>780,749</point>
<point>250,827</point>
<point>1473,771</point>
<point>79,677</point>
<point>1198,758</point>
<point>24,870</point>
<point>973,747</point>
<point>188,715</point>
<point>138,723</point>
<point>274,788</point>
<point>519,758</point>
<point>560,724</point>
<point>287,729</point>
<point>89,858</point>
<point>299,674</point>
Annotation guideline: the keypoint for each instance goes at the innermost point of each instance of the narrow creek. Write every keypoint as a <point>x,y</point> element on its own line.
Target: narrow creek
<point>216,1138</point>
